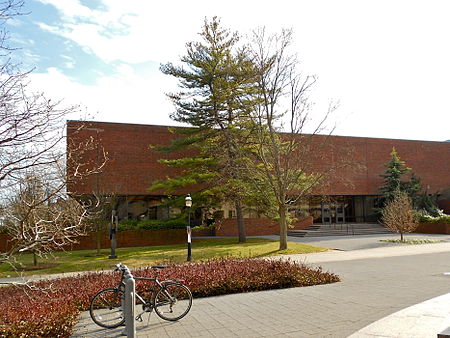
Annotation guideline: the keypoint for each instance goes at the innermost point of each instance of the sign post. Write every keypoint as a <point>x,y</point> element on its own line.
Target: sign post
<point>189,241</point>
<point>112,234</point>
<point>188,203</point>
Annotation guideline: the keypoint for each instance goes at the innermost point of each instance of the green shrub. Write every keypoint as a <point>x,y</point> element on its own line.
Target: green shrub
<point>50,308</point>
<point>152,224</point>
<point>430,219</point>
<point>204,227</point>
<point>411,241</point>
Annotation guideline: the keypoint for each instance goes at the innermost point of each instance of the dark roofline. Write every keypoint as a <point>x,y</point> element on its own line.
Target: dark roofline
<point>186,127</point>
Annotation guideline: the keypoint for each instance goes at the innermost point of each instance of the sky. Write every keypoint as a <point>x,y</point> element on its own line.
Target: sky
<point>387,63</point>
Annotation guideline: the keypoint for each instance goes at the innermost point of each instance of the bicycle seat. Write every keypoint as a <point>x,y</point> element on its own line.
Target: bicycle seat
<point>159,266</point>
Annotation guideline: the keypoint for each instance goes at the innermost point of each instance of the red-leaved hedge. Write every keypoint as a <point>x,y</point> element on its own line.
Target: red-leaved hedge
<point>51,308</point>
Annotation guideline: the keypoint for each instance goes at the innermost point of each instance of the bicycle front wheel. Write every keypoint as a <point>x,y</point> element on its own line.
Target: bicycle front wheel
<point>173,301</point>
<point>106,308</point>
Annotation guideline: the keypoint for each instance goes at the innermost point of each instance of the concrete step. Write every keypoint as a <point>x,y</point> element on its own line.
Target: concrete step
<point>340,230</point>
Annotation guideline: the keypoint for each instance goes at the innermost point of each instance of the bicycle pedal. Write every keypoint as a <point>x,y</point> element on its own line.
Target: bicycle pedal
<point>139,318</point>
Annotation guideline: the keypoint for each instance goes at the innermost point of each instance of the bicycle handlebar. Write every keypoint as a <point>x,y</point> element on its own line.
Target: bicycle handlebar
<point>121,267</point>
<point>159,266</point>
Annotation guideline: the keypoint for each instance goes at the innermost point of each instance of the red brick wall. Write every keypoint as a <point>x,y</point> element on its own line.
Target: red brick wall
<point>361,161</point>
<point>132,166</point>
<point>130,238</point>
<point>433,228</point>
<point>257,226</point>
<point>5,244</point>
<point>126,238</point>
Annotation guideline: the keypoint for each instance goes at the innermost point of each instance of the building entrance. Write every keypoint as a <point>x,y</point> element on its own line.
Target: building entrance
<point>341,209</point>
<point>333,212</point>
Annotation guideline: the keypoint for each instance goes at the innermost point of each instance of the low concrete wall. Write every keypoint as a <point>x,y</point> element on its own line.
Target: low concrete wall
<point>257,226</point>
<point>433,228</point>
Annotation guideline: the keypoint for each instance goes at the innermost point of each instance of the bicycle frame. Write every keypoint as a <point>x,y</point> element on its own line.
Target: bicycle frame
<point>166,297</point>
<point>148,305</point>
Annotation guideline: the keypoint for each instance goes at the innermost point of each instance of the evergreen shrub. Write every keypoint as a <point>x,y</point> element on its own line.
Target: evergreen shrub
<point>430,219</point>
<point>153,224</point>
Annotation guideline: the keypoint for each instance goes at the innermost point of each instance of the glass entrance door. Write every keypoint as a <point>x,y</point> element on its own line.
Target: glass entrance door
<point>326,213</point>
<point>333,212</point>
<point>340,213</point>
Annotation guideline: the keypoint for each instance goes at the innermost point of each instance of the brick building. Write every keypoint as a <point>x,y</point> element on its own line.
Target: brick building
<point>349,196</point>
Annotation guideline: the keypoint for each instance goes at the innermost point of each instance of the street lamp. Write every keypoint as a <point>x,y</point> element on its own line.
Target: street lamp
<point>188,204</point>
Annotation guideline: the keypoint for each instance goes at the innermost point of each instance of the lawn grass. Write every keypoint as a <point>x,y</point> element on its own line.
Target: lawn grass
<point>204,249</point>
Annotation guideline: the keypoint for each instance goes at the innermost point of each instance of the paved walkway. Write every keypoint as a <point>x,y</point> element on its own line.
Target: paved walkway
<point>421,320</point>
<point>376,284</point>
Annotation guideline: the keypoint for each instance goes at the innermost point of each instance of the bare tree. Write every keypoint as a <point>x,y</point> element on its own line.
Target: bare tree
<point>39,220</point>
<point>286,156</point>
<point>38,214</point>
<point>35,209</point>
<point>31,131</point>
<point>30,124</point>
<point>398,214</point>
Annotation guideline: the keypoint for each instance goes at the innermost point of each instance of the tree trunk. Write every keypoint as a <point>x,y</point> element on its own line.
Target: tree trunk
<point>282,210</point>
<point>240,222</point>
<point>401,236</point>
<point>34,259</point>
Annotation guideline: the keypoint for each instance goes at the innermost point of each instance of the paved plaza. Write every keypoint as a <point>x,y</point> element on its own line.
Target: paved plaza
<point>386,290</point>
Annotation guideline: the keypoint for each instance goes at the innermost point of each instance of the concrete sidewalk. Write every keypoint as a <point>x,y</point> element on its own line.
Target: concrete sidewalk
<point>393,251</point>
<point>377,285</point>
<point>350,243</point>
<point>425,319</point>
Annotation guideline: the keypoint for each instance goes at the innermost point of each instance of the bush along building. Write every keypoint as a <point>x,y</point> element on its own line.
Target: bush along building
<point>351,194</point>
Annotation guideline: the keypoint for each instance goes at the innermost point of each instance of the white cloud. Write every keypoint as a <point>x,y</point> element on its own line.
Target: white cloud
<point>139,31</point>
<point>70,8</point>
<point>387,62</point>
<point>124,97</point>
<point>14,22</point>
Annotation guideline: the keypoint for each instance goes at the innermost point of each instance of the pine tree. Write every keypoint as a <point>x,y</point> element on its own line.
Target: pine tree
<point>395,182</point>
<point>393,176</point>
<point>412,187</point>
<point>218,85</point>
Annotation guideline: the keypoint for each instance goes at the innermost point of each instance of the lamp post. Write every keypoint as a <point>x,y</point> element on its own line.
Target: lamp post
<point>188,204</point>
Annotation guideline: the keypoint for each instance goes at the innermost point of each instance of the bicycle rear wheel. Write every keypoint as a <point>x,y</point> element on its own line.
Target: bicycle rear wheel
<point>106,308</point>
<point>173,301</point>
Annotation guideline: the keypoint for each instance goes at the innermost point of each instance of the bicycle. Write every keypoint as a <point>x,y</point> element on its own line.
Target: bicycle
<point>170,299</point>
